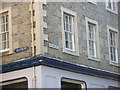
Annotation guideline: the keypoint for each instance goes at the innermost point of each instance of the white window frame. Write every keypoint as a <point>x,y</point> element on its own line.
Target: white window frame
<point>82,83</point>
<point>13,81</point>
<point>97,49</point>
<point>113,6</point>
<point>10,49</point>
<point>70,33</point>
<point>75,50</point>
<point>93,1</point>
<point>109,28</point>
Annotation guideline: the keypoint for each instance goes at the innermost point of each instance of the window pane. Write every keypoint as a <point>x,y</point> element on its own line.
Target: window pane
<point>71,46</point>
<point>6,18</point>
<point>111,42</point>
<point>114,6</point>
<point>67,27</point>
<point>113,45</point>
<point>91,52</point>
<point>110,35</point>
<point>109,4</point>
<point>70,27</point>
<point>3,19</point>
<point>90,44</point>
<point>70,86</point>
<point>70,37</point>
<point>91,31</point>
<point>112,57</point>
<point>4,31</point>
<point>114,53</point>
<point>67,45</point>
<point>111,51</point>
<point>113,38</point>
<point>20,85</point>
<point>3,45</point>
<point>3,27</point>
<point>68,31</point>
<point>7,36</point>
<point>90,35</point>
<point>93,44</point>
<point>113,35</point>
<point>89,26</point>
<point>70,20</point>
<point>66,36</point>
<point>66,19</point>
<point>4,37</point>
<point>6,26</point>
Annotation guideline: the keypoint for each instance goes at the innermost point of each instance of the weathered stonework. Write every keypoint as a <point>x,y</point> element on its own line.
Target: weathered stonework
<point>48,31</point>
<point>83,9</point>
<point>21,30</point>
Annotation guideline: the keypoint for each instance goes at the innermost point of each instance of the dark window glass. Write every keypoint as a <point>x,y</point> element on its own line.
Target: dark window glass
<point>70,86</point>
<point>20,85</point>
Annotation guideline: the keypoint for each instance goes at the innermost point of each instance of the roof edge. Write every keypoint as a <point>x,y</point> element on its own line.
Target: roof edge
<point>56,63</point>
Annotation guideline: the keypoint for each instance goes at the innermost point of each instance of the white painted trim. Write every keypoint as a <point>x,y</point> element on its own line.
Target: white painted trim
<point>10,29</point>
<point>82,83</point>
<point>26,73</point>
<point>76,44</point>
<point>14,81</point>
<point>39,29</point>
<point>97,58</point>
<point>68,11</point>
<point>5,10</point>
<point>88,79</point>
<point>93,58</point>
<point>92,1</point>
<point>6,50</point>
<point>110,10</point>
<point>83,65</point>
<point>109,28</point>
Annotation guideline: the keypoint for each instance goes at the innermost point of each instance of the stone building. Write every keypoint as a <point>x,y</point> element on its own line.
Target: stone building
<point>19,33</point>
<point>79,39</point>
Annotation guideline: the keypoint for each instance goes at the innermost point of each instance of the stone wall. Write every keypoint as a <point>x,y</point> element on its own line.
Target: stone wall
<point>96,12</point>
<point>21,30</point>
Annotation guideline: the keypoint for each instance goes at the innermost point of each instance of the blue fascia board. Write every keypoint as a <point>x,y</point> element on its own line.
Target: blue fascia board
<point>59,64</point>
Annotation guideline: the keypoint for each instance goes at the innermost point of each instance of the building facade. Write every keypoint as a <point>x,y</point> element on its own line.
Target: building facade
<point>19,26</point>
<point>78,39</point>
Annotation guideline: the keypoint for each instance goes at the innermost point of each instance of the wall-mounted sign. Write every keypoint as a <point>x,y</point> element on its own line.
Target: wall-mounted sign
<point>51,45</point>
<point>21,49</point>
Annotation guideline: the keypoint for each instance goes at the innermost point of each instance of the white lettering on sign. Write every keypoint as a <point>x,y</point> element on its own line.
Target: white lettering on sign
<point>21,49</point>
<point>53,46</point>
